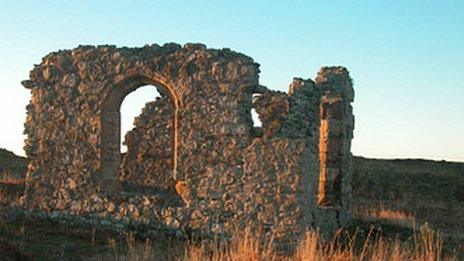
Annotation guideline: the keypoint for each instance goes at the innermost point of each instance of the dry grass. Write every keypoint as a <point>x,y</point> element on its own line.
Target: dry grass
<point>425,245</point>
<point>12,173</point>
<point>3,196</point>
<point>11,187</point>
<point>10,190</point>
<point>386,216</point>
<point>432,190</point>
<point>7,177</point>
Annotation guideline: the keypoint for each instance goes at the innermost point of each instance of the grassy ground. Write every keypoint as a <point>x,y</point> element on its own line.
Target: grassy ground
<point>392,199</point>
<point>11,165</point>
<point>429,191</point>
<point>46,240</point>
<point>12,173</point>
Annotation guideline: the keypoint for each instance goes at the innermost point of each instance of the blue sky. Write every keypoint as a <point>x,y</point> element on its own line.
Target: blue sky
<point>406,57</point>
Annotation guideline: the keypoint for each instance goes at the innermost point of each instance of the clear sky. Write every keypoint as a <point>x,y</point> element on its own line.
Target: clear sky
<point>406,57</point>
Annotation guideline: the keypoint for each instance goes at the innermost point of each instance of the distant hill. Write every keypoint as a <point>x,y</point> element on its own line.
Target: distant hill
<point>12,173</point>
<point>12,165</point>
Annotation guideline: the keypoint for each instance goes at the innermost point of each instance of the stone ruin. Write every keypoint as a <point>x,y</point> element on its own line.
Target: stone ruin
<point>195,161</point>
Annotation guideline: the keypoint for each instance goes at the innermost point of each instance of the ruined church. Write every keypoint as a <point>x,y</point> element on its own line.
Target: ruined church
<point>194,161</point>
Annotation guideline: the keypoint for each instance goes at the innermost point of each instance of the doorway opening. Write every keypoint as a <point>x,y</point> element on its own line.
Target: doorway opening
<point>144,158</point>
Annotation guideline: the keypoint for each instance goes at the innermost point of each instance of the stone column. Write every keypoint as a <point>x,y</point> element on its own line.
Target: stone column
<point>110,156</point>
<point>331,150</point>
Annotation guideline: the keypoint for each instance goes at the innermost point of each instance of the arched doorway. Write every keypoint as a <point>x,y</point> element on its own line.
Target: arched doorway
<point>146,163</point>
<point>135,105</point>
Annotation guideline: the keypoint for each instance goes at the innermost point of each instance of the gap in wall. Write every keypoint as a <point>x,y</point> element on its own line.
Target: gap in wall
<point>132,107</point>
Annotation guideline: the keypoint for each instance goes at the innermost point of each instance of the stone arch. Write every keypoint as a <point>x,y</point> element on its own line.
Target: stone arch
<point>111,127</point>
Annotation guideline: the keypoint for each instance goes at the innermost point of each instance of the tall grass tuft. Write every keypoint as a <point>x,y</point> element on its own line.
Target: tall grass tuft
<point>386,216</point>
<point>425,245</point>
<point>7,177</point>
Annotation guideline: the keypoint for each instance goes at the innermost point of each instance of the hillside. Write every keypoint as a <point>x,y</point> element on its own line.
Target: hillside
<point>11,164</point>
<point>430,191</point>
<point>384,192</point>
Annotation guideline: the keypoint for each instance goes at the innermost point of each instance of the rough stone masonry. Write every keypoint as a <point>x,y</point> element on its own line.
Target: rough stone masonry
<point>195,161</point>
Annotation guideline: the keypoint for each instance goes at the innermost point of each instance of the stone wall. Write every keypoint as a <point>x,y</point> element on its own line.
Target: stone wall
<point>194,161</point>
